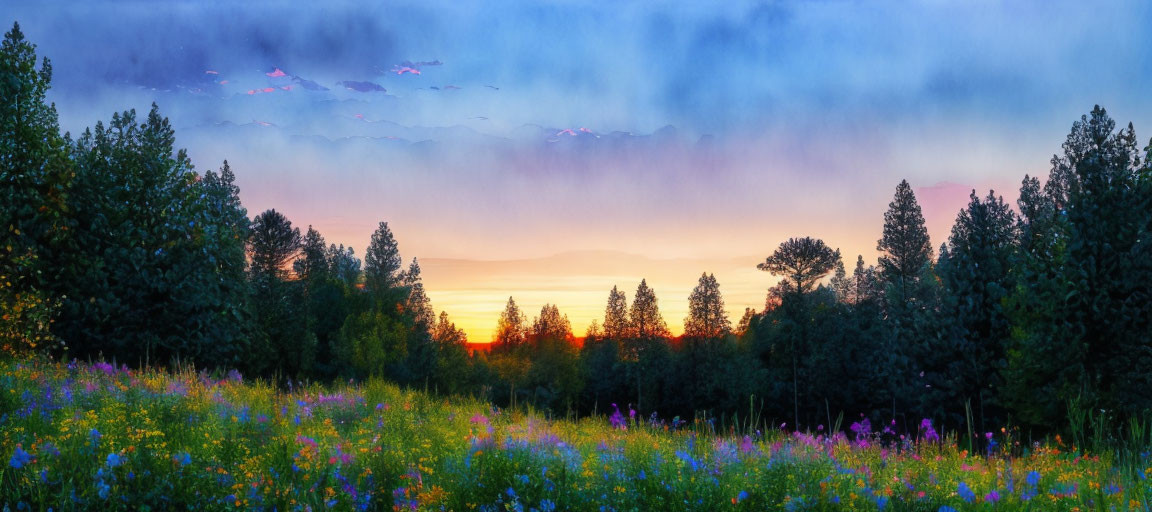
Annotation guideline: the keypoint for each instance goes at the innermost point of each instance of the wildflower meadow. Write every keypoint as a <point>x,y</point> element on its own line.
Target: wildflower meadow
<point>97,437</point>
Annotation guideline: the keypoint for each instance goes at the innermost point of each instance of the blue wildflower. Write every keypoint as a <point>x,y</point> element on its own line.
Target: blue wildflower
<point>20,458</point>
<point>742,496</point>
<point>102,490</point>
<point>114,460</point>
<point>965,492</point>
<point>946,508</point>
<point>1033,478</point>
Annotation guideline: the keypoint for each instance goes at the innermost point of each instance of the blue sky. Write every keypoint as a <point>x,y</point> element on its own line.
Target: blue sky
<point>691,132</point>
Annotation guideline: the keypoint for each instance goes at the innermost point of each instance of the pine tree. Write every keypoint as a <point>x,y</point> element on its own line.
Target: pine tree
<point>906,248</point>
<point>382,261</point>
<point>802,260</point>
<point>135,278</point>
<point>616,316</point>
<point>550,325</point>
<point>313,263</point>
<point>842,284</point>
<point>274,245</point>
<point>645,321</point>
<point>417,303</point>
<point>223,226</point>
<point>1083,307</point>
<point>593,331</point>
<point>343,264</point>
<point>286,342</point>
<point>975,268</point>
<point>746,322</point>
<point>35,179</point>
<point>510,330</point>
<point>706,316</point>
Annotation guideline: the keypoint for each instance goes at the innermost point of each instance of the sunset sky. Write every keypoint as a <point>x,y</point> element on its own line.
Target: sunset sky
<point>550,150</point>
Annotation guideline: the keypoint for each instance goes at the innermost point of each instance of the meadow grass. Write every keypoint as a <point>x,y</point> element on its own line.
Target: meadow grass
<point>95,437</point>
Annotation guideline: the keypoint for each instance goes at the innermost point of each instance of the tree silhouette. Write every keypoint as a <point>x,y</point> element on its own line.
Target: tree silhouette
<point>644,319</point>
<point>803,261</point>
<point>616,315</point>
<point>510,331</point>
<point>706,316</point>
<point>906,249</point>
<point>274,245</point>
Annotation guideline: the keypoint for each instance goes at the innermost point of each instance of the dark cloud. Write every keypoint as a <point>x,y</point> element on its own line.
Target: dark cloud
<point>361,86</point>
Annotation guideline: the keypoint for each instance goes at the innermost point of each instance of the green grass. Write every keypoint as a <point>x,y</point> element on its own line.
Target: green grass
<point>86,437</point>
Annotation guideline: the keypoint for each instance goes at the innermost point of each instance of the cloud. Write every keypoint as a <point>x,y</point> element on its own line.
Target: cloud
<point>354,85</point>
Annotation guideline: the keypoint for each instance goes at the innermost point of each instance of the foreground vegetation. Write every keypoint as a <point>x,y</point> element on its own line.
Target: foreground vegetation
<point>78,436</point>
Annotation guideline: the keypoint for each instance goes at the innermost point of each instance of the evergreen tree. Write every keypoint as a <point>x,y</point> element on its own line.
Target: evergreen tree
<point>510,331</point>
<point>223,226</point>
<point>865,285</point>
<point>975,267</point>
<point>285,341</point>
<point>451,356</point>
<point>35,178</point>
<point>905,247</point>
<point>313,263</point>
<point>344,265</point>
<point>274,246</point>
<point>135,281</point>
<point>593,331</point>
<point>706,316</point>
<point>842,284</point>
<point>616,315</point>
<point>417,303</point>
<point>550,325</point>
<point>382,261</point>
<point>746,322</point>
<point>644,319</point>
<point>802,260</point>
<point>1082,309</point>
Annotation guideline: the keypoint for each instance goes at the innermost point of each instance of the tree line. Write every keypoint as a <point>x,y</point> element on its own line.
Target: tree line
<point>113,246</point>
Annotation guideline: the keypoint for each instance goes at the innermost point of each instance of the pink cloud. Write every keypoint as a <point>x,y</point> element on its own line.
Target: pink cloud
<point>276,74</point>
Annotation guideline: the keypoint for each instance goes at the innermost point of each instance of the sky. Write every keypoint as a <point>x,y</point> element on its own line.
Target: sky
<point>548,151</point>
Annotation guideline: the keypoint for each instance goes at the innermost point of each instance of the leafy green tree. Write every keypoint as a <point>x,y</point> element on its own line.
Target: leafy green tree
<point>374,344</point>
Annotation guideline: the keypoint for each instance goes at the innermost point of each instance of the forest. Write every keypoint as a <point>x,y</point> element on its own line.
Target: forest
<point>115,247</point>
